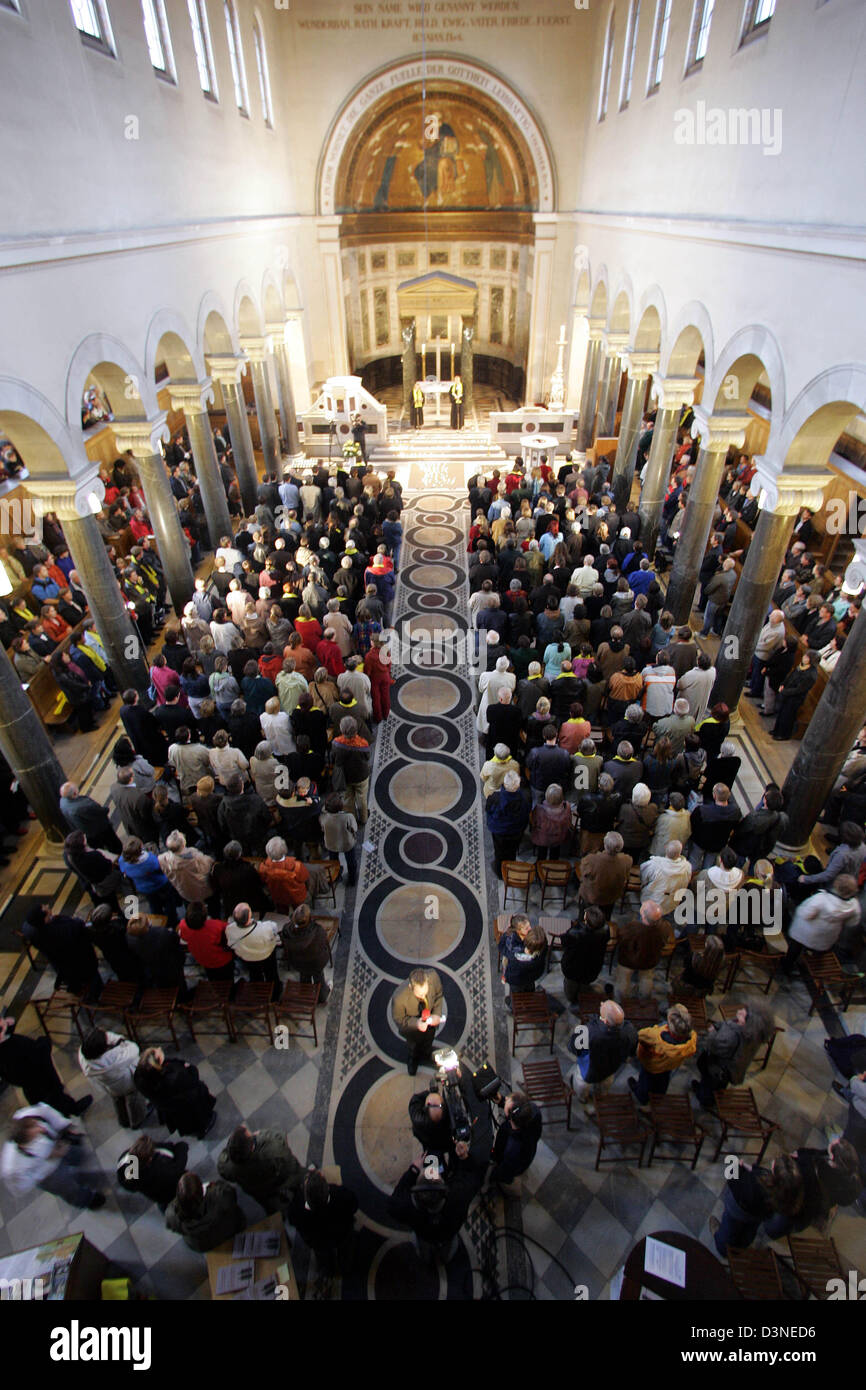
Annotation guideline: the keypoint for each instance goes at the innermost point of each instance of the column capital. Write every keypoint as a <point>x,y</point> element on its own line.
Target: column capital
<point>141,437</point>
<point>640,365</point>
<point>191,397</point>
<point>784,494</point>
<point>226,369</point>
<point>720,430</point>
<point>855,574</point>
<point>257,349</point>
<point>671,392</point>
<point>71,499</point>
<point>275,330</point>
<point>596,330</point>
<point>615,344</point>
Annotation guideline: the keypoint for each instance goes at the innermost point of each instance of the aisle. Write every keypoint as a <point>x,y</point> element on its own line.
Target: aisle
<point>422,899</point>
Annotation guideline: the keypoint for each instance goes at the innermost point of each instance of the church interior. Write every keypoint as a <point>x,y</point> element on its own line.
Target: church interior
<point>391,357</point>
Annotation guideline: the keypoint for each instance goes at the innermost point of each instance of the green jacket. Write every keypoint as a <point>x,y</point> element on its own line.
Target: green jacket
<point>271,1171</point>
<point>220,1218</point>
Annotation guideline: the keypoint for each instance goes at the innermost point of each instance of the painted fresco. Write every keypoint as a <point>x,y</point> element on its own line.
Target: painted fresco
<point>453,152</point>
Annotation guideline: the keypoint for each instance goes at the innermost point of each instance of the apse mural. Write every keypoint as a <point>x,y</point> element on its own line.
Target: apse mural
<point>453,152</point>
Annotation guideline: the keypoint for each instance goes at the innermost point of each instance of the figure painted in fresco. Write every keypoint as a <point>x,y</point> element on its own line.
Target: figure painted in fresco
<point>437,173</point>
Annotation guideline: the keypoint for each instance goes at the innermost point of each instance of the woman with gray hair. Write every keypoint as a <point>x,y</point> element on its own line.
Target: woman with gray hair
<point>265,772</point>
<point>507,817</point>
<point>551,824</point>
<point>723,768</point>
<point>187,870</point>
<point>636,822</point>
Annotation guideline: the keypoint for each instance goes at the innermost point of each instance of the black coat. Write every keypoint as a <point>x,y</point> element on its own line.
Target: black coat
<point>583,953</point>
<point>182,1101</point>
<point>162,956</point>
<point>66,944</point>
<point>26,1063</point>
<point>158,1179</point>
<point>322,1230</point>
<point>514,1149</point>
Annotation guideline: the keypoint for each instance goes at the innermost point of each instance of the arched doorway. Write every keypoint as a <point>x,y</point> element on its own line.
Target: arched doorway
<point>437,171</point>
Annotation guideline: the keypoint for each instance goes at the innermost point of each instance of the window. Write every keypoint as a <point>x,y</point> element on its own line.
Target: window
<point>236,58</point>
<point>91,21</point>
<point>202,45</point>
<point>628,55</point>
<point>262,68</point>
<point>659,44</point>
<point>158,40</point>
<point>606,69</point>
<point>700,35</point>
<point>757,17</point>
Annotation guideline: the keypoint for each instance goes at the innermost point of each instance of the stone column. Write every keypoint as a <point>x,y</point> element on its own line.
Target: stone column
<point>467,365</point>
<point>257,352</point>
<point>285,395</point>
<point>539,319</point>
<point>228,371</point>
<point>407,336</point>
<point>672,393</point>
<point>76,500</point>
<point>615,345</point>
<point>781,499</point>
<point>718,434</point>
<point>589,390</point>
<point>191,397</point>
<point>29,752</point>
<point>140,438</point>
<point>328,234</point>
<point>640,366</point>
<point>835,723</point>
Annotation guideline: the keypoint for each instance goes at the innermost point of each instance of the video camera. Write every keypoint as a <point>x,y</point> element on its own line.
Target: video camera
<point>447,1064</point>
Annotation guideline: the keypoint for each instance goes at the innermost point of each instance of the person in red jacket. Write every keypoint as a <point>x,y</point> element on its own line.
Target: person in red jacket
<point>329,654</point>
<point>270,662</point>
<point>378,672</point>
<point>204,938</point>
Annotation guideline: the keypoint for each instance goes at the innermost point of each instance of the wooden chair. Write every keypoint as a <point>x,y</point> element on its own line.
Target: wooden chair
<point>816,1262</point>
<point>620,1125</point>
<point>501,924</point>
<point>116,999</point>
<point>769,962</point>
<point>553,874</point>
<point>588,1004</point>
<point>251,1002</point>
<point>543,1083</point>
<point>643,1013</point>
<point>329,871</point>
<point>632,885</point>
<point>297,1003</point>
<point>729,1011</point>
<point>62,1004</point>
<point>755,1273</point>
<point>696,1006</point>
<point>518,876</point>
<point>530,1011</point>
<point>825,974</point>
<point>332,931</point>
<point>154,1006</point>
<point>211,998</point>
<point>738,1112</point>
<point>673,1122</point>
<point>554,929</point>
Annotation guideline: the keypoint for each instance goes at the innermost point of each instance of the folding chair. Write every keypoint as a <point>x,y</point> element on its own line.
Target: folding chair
<point>251,1001</point>
<point>329,873</point>
<point>738,1112</point>
<point>60,1005</point>
<point>530,1011</point>
<point>154,1006</point>
<point>729,1011</point>
<point>755,1273</point>
<point>518,876</point>
<point>554,874</point>
<point>543,1082</point>
<point>211,998</point>
<point>297,1003</point>
<point>673,1122</point>
<point>619,1125</point>
<point>816,1262</point>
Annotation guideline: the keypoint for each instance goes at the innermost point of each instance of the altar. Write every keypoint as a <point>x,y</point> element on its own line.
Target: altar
<point>436,389</point>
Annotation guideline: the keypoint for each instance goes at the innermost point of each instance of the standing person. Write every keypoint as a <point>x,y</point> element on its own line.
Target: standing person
<point>660,1051</point>
<point>417,1008</point>
<point>377,667</point>
<point>153,1170</point>
<point>507,814</point>
<point>261,1163</point>
<point>351,771</point>
<point>67,945</point>
<point>793,692</point>
<point>307,950</point>
<point>417,406</point>
<point>819,920</point>
<point>456,394</point>
<point>26,1063</point>
<point>610,1040</point>
<point>522,956</point>
<point>323,1214</point>
<point>340,834</point>
<point>181,1100</point>
<point>187,870</point>
<point>516,1138</point>
<point>551,825</point>
<point>753,1196</point>
<point>44,1150</point>
<point>254,941</point>
<point>86,815</point>
<point>285,878</point>
<point>205,1214</point>
<point>110,1060</point>
<point>584,947</point>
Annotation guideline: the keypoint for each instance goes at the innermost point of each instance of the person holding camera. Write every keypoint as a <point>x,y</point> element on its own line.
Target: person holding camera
<point>418,1009</point>
<point>433,1197</point>
<point>516,1138</point>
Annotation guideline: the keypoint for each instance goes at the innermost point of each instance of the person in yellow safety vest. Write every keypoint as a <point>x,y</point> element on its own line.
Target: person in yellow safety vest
<point>457,404</point>
<point>417,405</point>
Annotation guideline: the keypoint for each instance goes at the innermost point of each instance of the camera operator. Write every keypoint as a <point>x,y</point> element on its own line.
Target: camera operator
<point>516,1138</point>
<point>433,1197</point>
<point>431,1122</point>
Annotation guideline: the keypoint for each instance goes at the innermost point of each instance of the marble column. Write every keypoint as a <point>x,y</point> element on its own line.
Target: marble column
<point>285,395</point>
<point>407,336</point>
<point>781,499</point>
<point>191,397</point>
<point>589,390</point>
<point>228,371</point>
<point>615,345</point>
<point>836,720</point>
<point>546,228</point>
<point>672,393</point>
<point>467,365</point>
<point>76,500</point>
<point>640,367</point>
<point>140,438</point>
<point>29,752</point>
<point>257,353</point>
<point>718,433</point>
<point>334,327</point>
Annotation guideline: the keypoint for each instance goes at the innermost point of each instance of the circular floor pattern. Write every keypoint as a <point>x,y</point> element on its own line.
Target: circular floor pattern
<point>397,1274</point>
<point>423,847</point>
<point>427,623</point>
<point>384,1137</point>
<point>433,576</point>
<point>435,535</point>
<point>432,600</point>
<point>407,929</point>
<point>425,789</point>
<point>435,553</point>
<point>436,499</point>
<point>428,695</point>
<point>427,738</point>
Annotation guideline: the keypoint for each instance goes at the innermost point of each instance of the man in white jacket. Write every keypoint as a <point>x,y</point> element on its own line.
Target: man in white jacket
<point>818,922</point>
<point>109,1060</point>
<point>43,1150</point>
<point>662,875</point>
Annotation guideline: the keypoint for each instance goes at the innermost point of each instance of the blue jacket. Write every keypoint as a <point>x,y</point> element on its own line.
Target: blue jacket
<point>507,813</point>
<point>521,970</point>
